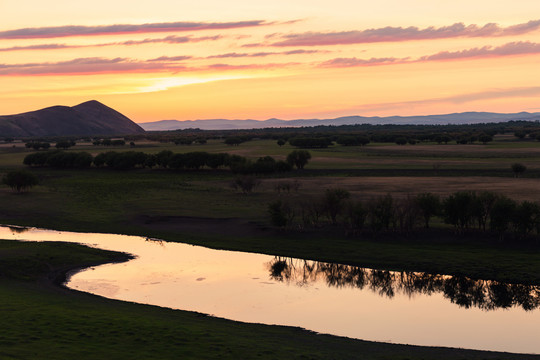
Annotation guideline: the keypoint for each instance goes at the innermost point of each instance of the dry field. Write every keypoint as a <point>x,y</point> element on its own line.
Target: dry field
<point>368,187</point>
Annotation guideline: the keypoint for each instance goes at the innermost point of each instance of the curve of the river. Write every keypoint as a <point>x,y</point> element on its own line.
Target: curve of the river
<point>398,307</point>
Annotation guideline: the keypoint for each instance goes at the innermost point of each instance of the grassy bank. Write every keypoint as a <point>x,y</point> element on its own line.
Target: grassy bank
<point>43,321</point>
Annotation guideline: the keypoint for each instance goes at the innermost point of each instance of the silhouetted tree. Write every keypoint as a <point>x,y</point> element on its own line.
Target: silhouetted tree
<point>20,180</point>
<point>458,209</point>
<point>381,212</point>
<point>245,183</point>
<point>64,144</point>
<point>501,215</point>
<point>401,141</point>
<point>429,205</point>
<point>235,141</point>
<point>518,169</point>
<point>333,202</point>
<point>525,217</point>
<point>299,158</point>
<point>484,138</point>
<point>277,213</point>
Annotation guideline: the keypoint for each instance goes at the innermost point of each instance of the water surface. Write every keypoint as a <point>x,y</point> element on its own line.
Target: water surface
<point>400,307</point>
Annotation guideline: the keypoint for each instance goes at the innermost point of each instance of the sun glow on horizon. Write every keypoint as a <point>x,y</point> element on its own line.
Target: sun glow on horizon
<point>264,60</point>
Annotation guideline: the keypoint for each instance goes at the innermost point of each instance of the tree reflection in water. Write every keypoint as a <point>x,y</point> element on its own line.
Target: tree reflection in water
<point>463,291</point>
<point>18,229</point>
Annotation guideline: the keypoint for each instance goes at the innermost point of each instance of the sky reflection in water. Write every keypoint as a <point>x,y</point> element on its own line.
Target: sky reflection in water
<point>400,307</point>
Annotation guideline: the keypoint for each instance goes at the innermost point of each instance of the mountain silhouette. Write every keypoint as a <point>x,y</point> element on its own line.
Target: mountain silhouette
<point>90,118</point>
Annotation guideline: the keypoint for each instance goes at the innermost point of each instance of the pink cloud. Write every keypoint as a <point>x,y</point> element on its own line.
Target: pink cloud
<point>263,54</point>
<point>79,30</point>
<point>352,62</point>
<point>509,49</point>
<point>513,48</point>
<point>396,34</point>
<point>93,65</point>
<point>169,40</point>
<point>96,65</point>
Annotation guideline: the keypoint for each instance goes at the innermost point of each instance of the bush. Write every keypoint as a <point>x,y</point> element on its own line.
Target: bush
<point>299,158</point>
<point>65,160</point>
<point>518,169</point>
<point>20,180</point>
<point>304,142</point>
<point>64,144</point>
<point>246,183</point>
<point>429,206</point>
<point>277,213</point>
<point>37,159</point>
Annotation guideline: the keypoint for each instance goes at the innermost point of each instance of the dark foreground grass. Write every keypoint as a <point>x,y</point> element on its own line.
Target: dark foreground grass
<point>42,321</point>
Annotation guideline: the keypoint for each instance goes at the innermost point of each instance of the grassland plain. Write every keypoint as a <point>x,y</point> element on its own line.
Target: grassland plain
<point>42,321</point>
<point>201,207</point>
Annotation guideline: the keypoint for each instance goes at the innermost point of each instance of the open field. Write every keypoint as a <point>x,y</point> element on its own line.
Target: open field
<point>201,207</point>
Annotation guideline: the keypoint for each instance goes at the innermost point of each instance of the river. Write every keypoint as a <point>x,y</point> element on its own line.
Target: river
<point>398,307</point>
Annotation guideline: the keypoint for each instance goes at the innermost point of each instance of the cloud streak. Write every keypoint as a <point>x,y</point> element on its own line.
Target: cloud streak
<point>79,30</point>
<point>263,54</point>
<point>397,34</point>
<point>98,65</point>
<point>173,39</point>
<point>93,65</point>
<point>509,49</point>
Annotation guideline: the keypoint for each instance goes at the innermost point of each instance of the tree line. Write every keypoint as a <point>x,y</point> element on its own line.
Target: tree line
<point>166,159</point>
<point>483,211</point>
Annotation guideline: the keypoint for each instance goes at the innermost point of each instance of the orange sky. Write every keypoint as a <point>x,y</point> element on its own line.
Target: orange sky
<point>237,59</point>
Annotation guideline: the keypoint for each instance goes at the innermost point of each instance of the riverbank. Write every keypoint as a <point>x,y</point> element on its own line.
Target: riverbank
<point>437,251</point>
<point>44,321</point>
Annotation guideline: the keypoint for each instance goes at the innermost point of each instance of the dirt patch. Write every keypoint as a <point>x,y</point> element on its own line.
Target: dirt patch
<point>368,187</point>
<point>455,149</point>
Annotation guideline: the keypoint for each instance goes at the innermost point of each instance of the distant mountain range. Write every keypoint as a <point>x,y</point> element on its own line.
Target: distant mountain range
<point>223,124</point>
<point>90,118</point>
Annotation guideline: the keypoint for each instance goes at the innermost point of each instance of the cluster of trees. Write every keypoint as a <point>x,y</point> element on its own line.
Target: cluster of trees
<point>59,159</point>
<point>36,145</point>
<point>63,144</point>
<point>324,141</point>
<point>466,210</point>
<point>167,159</point>
<point>311,142</point>
<point>189,141</point>
<point>109,142</point>
<point>352,140</point>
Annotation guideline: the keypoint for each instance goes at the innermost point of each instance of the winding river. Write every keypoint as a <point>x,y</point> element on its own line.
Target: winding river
<point>399,307</point>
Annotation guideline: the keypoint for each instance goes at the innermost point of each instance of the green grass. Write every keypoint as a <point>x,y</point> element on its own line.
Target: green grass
<point>100,200</point>
<point>40,321</point>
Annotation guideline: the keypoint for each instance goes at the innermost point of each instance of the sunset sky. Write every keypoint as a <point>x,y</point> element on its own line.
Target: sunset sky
<point>249,59</point>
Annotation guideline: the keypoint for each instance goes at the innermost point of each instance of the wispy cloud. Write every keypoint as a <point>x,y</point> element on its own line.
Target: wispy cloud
<point>513,48</point>
<point>352,62</point>
<point>172,39</point>
<point>396,34</point>
<point>93,65</point>
<point>509,49</point>
<point>38,47</point>
<point>98,65</point>
<point>170,58</point>
<point>79,30</point>
<point>264,54</point>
